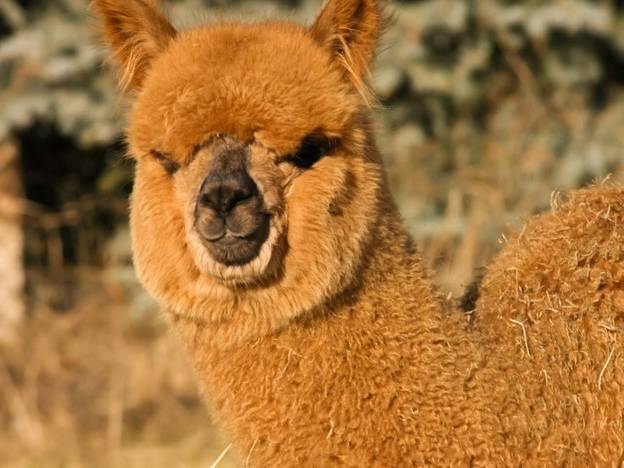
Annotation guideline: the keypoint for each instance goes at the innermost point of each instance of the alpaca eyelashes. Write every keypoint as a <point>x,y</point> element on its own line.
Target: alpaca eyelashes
<point>311,149</point>
<point>171,167</point>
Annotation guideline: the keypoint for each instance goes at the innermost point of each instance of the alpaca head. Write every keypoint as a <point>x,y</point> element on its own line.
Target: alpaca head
<point>257,183</point>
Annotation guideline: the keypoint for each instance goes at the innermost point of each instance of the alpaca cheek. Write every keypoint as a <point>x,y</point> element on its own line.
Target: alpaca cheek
<point>157,235</point>
<point>334,208</point>
<point>345,195</point>
<point>268,178</point>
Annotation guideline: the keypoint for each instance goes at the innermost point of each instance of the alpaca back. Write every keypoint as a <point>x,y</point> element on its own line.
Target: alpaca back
<point>551,313</point>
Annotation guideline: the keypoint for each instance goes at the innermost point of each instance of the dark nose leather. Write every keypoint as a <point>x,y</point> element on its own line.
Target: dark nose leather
<point>228,202</point>
<point>229,214</point>
<point>222,193</point>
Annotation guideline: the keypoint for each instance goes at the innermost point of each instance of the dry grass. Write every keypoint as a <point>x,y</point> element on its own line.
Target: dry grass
<point>94,388</point>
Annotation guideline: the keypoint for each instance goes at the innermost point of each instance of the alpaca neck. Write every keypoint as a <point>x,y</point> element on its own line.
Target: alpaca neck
<point>369,343</point>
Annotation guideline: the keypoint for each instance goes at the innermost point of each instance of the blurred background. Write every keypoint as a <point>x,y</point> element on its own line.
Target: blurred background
<point>488,106</point>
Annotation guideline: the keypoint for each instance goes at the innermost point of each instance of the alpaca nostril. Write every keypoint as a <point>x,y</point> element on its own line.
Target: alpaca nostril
<point>222,194</point>
<point>232,199</point>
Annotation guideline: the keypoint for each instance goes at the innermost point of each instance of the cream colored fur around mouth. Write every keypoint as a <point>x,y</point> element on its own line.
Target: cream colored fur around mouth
<point>262,267</point>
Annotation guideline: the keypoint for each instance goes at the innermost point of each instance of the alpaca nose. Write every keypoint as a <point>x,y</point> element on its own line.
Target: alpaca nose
<point>229,217</point>
<point>222,194</point>
<point>231,220</point>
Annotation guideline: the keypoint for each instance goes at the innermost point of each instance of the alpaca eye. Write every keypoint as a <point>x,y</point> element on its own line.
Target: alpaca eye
<point>311,149</point>
<point>170,166</point>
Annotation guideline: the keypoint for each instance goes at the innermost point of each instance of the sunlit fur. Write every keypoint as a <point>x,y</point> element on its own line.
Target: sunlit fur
<point>332,347</point>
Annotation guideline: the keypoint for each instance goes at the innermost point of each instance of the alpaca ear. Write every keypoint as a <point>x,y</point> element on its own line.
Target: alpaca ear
<point>351,29</point>
<point>137,31</point>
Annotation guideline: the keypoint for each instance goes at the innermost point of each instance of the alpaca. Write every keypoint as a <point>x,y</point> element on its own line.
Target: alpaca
<point>262,222</point>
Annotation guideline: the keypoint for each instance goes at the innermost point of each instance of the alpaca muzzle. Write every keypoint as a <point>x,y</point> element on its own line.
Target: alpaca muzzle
<point>229,215</point>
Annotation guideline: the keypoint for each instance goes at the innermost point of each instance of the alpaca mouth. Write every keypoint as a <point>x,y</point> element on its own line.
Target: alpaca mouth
<point>232,249</point>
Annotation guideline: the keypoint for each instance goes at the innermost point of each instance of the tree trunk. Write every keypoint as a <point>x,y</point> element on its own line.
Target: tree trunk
<point>11,243</point>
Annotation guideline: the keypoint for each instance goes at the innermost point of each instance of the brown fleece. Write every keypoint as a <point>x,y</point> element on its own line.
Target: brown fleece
<point>551,314</point>
<point>332,347</point>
